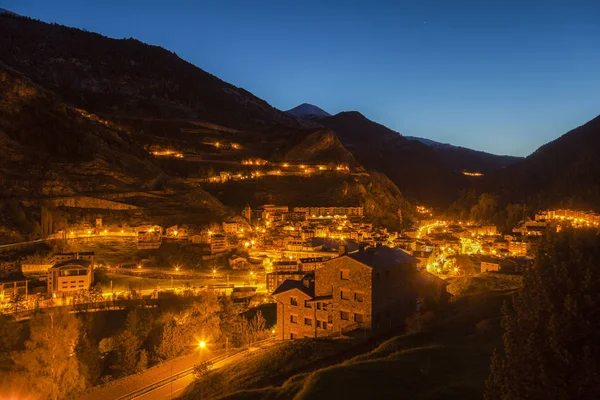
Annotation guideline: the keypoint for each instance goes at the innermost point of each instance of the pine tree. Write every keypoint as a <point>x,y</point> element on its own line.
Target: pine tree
<point>551,332</point>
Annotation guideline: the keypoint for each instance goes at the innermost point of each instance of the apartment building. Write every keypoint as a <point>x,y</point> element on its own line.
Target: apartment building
<point>374,289</point>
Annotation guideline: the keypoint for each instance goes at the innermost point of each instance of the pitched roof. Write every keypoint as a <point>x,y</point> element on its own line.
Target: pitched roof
<point>290,284</point>
<point>382,256</point>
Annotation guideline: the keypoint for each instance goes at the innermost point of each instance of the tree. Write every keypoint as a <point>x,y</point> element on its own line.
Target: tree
<point>551,347</point>
<point>174,341</point>
<point>10,333</point>
<point>139,321</point>
<point>89,358</point>
<point>49,362</point>
<point>485,208</point>
<point>126,346</point>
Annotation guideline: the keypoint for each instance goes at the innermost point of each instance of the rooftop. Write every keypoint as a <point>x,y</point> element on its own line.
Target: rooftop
<point>290,284</point>
<point>78,262</point>
<point>382,256</point>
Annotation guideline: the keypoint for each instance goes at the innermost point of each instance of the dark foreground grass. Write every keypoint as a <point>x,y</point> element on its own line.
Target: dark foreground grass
<point>265,368</point>
<point>449,359</point>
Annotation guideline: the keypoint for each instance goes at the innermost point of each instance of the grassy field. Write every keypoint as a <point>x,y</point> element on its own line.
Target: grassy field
<point>126,282</point>
<point>447,359</point>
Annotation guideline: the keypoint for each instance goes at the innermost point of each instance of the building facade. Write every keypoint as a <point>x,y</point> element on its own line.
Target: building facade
<point>373,290</point>
<point>70,276</point>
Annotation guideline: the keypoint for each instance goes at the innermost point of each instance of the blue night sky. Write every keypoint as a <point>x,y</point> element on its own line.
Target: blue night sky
<point>501,76</point>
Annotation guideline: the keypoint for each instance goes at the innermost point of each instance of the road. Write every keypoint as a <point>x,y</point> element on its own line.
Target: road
<point>175,388</point>
<point>156,382</point>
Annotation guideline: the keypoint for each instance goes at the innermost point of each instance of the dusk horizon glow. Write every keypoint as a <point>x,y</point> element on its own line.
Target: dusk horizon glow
<point>504,79</point>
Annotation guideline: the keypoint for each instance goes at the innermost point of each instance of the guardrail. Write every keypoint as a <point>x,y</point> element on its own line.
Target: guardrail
<point>185,372</point>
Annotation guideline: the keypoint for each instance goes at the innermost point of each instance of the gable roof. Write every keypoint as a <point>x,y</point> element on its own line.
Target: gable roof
<point>382,256</point>
<point>291,284</point>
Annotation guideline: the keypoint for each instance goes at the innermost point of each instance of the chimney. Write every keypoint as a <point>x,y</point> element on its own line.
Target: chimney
<point>342,250</point>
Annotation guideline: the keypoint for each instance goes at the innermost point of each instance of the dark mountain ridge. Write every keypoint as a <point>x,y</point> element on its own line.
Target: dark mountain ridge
<point>411,165</point>
<point>564,172</point>
<point>126,76</point>
<point>308,110</point>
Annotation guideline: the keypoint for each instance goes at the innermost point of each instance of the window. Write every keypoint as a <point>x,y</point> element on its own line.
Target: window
<point>344,315</point>
<point>318,305</point>
<point>293,336</point>
<point>344,294</point>
<point>358,318</point>
<point>324,306</point>
<point>307,304</point>
<point>321,324</point>
<point>344,274</point>
<point>293,319</point>
<point>293,301</point>
<point>308,321</point>
<point>330,319</point>
<point>359,297</point>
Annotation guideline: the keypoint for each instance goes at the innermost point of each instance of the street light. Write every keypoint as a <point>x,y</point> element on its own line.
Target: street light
<point>202,344</point>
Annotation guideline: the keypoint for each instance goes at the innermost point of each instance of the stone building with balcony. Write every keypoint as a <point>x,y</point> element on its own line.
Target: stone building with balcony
<point>371,290</point>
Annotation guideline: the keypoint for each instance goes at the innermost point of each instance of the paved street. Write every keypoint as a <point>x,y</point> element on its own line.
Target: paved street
<point>157,373</point>
<point>134,383</point>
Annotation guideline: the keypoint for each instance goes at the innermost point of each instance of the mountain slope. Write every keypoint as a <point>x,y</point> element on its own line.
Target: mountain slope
<point>308,110</point>
<point>564,172</point>
<point>54,154</point>
<point>40,135</point>
<point>321,146</point>
<point>414,167</point>
<point>461,158</point>
<point>127,77</point>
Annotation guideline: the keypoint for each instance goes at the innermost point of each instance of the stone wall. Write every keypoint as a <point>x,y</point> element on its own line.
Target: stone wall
<point>394,295</point>
<point>284,310</point>
<point>356,287</point>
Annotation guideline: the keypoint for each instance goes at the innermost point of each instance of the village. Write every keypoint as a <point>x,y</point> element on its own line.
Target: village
<point>266,252</point>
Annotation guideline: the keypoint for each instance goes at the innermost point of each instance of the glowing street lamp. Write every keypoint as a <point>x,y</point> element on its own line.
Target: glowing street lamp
<point>247,244</point>
<point>176,269</point>
<point>202,344</point>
